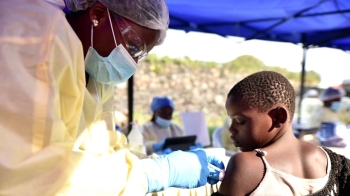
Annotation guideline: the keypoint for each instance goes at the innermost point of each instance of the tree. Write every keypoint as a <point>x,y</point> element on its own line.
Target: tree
<point>245,64</point>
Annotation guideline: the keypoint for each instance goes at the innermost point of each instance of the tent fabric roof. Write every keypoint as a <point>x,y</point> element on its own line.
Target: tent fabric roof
<point>312,22</point>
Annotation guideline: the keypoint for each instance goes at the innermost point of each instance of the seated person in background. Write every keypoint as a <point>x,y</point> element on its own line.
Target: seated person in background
<point>273,161</point>
<point>329,111</point>
<point>226,136</point>
<point>160,126</point>
<point>305,129</point>
<point>344,111</point>
<point>309,103</point>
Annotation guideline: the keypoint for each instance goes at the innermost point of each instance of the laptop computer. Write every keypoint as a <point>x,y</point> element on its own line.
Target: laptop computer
<point>180,143</point>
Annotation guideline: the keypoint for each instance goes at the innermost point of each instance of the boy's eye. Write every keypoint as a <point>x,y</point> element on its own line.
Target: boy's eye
<point>241,122</point>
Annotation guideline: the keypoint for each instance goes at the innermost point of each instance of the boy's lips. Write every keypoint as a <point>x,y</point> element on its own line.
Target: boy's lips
<point>235,142</point>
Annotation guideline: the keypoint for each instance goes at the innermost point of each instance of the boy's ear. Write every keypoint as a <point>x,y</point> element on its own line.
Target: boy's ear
<point>279,116</point>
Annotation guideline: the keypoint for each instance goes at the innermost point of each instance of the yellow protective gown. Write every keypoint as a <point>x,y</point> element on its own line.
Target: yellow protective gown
<point>308,105</point>
<point>153,133</point>
<point>53,141</point>
<point>322,114</point>
<point>344,113</point>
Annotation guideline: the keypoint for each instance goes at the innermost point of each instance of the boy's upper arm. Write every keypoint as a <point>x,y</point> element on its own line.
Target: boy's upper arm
<point>244,172</point>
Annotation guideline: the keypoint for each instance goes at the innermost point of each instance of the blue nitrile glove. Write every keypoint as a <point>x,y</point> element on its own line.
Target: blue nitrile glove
<point>178,169</point>
<point>159,146</point>
<point>167,151</point>
<point>214,175</point>
<point>196,146</point>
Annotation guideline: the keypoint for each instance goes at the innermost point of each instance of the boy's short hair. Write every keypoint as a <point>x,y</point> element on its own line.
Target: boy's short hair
<point>263,90</point>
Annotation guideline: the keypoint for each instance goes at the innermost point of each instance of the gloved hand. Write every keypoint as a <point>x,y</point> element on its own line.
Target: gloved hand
<point>159,146</point>
<point>167,151</point>
<point>214,174</point>
<point>196,146</point>
<point>217,171</point>
<point>178,169</point>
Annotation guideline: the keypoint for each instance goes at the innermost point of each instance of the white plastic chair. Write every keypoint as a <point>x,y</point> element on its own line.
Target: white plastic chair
<point>216,137</point>
<point>195,124</point>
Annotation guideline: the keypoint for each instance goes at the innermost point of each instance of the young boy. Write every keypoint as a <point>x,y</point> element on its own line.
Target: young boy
<point>273,161</point>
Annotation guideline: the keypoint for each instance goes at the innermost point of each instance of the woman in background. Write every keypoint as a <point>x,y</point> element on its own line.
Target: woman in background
<point>160,126</point>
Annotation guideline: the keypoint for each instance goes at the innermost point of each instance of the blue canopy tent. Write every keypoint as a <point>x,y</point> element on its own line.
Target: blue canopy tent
<point>302,21</point>
<point>307,22</point>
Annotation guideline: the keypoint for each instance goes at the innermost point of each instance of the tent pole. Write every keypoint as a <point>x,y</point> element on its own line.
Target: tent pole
<point>302,85</point>
<point>130,101</point>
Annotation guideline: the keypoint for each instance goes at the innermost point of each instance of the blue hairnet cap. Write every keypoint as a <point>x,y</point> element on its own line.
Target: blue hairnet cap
<point>330,94</point>
<point>159,102</point>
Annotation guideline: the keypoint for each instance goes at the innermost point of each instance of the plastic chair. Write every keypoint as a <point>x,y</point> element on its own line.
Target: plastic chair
<point>195,124</point>
<point>216,137</point>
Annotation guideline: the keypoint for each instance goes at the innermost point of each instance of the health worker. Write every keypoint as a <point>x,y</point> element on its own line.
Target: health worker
<point>328,112</point>
<point>160,126</point>
<point>56,103</point>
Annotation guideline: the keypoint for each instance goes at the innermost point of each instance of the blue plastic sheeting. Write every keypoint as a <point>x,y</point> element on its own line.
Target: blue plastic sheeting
<point>312,22</point>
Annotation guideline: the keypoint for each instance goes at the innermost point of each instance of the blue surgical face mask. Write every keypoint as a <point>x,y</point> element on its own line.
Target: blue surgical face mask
<point>335,106</point>
<point>118,67</point>
<point>163,122</point>
<point>114,69</point>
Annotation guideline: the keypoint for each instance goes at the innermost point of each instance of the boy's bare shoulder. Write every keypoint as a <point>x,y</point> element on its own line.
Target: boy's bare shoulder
<point>315,160</point>
<point>244,172</point>
<point>313,154</point>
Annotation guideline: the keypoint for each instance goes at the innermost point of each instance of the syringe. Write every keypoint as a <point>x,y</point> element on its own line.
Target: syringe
<point>221,172</point>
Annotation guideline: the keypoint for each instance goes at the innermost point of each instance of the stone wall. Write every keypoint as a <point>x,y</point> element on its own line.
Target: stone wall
<point>191,88</point>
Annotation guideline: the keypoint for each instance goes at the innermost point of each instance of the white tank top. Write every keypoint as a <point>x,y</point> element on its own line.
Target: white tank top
<point>276,182</point>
